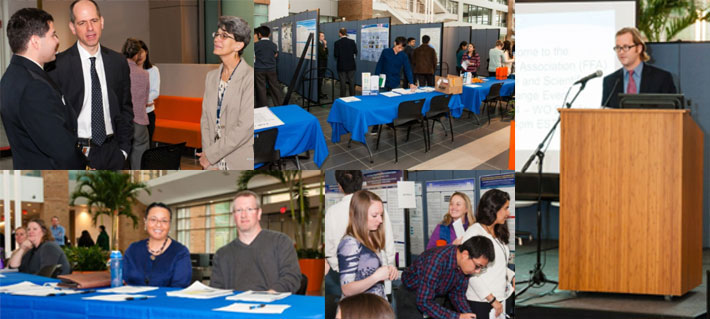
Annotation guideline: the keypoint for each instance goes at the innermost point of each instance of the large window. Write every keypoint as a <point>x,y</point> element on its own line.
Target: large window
<point>451,6</point>
<point>207,227</point>
<point>501,19</point>
<point>261,13</point>
<point>476,14</point>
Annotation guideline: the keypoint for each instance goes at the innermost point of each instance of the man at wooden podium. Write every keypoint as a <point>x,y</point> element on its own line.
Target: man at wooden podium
<point>635,76</point>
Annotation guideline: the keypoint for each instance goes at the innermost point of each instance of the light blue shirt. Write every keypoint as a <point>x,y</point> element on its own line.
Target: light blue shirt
<point>637,77</point>
<point>58,233</point>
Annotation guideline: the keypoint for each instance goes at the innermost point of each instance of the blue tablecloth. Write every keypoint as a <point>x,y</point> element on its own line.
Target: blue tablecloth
<point>355,117</point>
<point>473,96</point>
<point>301,132</point>
<point>73,307</point>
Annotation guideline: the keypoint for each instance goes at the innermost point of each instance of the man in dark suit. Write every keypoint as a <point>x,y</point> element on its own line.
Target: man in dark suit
<point>345,52</point>
<point>95,81</point>
<point>424,63</point>
<point>635,76</point>
<point>322,62</point>
<point>38,125</point>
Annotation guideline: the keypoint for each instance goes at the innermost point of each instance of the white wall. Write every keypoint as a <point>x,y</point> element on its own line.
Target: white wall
<point>82,221</point>
<point>327,7</point>
<point>278,9</point>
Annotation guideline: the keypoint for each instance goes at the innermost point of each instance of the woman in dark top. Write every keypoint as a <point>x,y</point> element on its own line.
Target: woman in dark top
<point>158,260</point>
<point>39,251</point>
<point>360,267</point>
<point>459,55</point>
<point>85,239</point>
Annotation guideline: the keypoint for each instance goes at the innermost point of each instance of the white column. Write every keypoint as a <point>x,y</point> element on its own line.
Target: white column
<point>6,209</point>
<point>18,199</point>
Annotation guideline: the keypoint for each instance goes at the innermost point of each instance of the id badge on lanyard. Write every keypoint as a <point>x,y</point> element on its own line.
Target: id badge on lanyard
<point>220,99</point>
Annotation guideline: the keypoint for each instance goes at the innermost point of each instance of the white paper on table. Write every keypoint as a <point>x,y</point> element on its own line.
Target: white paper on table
<point>244,307</point>
<point>405,194</point>
<point>390,94</point>
<point>264,118</point>
<point>259,296</point>
<point>25,285</point>
<point>2,276</point>
<point>117,297</point>
<point>472,85</point>
<point>458,228</point>
<point>198,290</point>
<point>128,289</point>
<point>8,270</point>
<point>425,89</point>
<point>349,99</point>
<point>402,91</point>
<point>44,291</point>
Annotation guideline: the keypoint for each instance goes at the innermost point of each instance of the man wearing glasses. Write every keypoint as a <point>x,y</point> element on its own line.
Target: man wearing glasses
<point>258,259</point>
<point>443,271</point>
<point>635,76</point>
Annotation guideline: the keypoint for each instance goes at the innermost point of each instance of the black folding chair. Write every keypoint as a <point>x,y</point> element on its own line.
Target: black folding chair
<point>408,113</point>
<point>439,107</point>
<point>51,271</point>
<point>264,148</point>
<point>508,100</point>
<point>163,157</point>
<point>493,96</point>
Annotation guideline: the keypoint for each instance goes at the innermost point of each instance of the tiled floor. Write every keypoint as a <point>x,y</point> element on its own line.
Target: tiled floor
<point>411,153</point>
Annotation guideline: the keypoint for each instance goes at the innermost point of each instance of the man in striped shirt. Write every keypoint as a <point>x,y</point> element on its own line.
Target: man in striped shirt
<point>443,271</point>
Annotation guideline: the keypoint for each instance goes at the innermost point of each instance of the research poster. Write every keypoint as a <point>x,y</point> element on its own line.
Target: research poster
<point>275,38</point>
<point>286,38</point>
<point>435,41</point>
<point>374,38</point>
<point>303,30</point>
<point>506,183</point>
<point>352,34</point>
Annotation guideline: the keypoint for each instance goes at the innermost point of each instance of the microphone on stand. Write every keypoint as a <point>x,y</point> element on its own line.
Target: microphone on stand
<point>584,80</point>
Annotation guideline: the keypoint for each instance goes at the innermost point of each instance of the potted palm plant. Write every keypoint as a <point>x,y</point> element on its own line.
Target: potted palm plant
<point>86,259</point>
<point>109,193</point>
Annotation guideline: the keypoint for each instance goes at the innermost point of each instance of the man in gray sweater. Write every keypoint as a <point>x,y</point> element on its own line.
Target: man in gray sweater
<point>260,260</point>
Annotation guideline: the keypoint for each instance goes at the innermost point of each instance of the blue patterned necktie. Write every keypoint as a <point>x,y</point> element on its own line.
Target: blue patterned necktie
<point>98,126</point>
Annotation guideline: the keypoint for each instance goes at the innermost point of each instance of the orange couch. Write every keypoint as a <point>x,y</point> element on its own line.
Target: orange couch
<point>177,120</point>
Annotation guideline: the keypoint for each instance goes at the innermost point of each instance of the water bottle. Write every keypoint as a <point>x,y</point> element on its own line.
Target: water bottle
<point>116,265</point>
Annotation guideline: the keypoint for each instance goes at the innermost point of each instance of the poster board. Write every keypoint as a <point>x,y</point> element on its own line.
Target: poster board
<point>373,39</point>
<point>303,29</point>
<point>287,38</point>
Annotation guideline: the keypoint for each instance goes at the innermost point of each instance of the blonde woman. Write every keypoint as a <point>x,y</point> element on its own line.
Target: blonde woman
<point>460,213</point>
<point>360,267</point>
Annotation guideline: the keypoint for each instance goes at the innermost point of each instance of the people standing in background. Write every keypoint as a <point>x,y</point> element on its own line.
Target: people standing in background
<point>425,63</point>
<point>102,240</point>
<point>455,222</point>
<point>322,62</point>
<point>495,58</point>
<point>488,290</point>
<point>85,240</point>
<point>459,55</point>
<point>95,81</point>
<point>265,54</point>
<point>154,93</point>
<point>58,231</point>
<point>473,61</point>
<point>508,57</point>
<point>409,50</point>
<point>345,52</point>
<point>227,122</point>
<point>140,87</point>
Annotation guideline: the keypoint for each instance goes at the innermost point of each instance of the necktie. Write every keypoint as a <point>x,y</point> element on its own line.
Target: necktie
<point>98,126</point>
<point>631,87</point>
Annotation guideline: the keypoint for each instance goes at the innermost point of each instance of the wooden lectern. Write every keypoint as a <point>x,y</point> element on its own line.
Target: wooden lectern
<point>631,199</point>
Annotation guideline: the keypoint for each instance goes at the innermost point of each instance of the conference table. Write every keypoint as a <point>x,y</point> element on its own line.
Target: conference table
<point>355,117</point>
<point>160,306</point>
<point>474,94</point>
<point>301,132</point>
